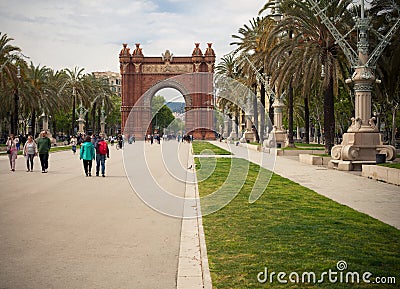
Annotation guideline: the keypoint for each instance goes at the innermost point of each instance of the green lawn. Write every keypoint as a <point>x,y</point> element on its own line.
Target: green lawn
<point>299,144</point>
<point>290,229</point>
<point>255,143</point>
<point>204,147</point>
<point>322,155</point>
<point>305,146</point>
<point>53,150</point>
<point>392,165</point>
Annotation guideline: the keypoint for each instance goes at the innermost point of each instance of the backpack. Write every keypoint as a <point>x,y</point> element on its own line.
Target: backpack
<point>102,145</point>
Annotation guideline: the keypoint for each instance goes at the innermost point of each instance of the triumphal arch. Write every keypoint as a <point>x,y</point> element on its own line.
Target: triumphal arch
<point>143,76</point>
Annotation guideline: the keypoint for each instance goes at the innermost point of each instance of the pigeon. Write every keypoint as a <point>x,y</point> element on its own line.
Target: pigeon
<point>190,167</point>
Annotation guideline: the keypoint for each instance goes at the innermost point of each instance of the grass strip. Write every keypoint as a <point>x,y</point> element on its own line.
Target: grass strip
<point>52,150</point>
<point>290,229</point>
<point>305,146</point>
<point>204,147</point>
<point>391,165</point>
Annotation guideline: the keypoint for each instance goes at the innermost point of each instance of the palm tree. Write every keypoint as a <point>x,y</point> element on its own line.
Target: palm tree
<point>99,91</point>
<point>10,78</point>
<point>227,72</point>
<point>388,65</point>
<point>40,93</point>
<point>312,47</point>
<point>73,86</point>
<point>252,49</point>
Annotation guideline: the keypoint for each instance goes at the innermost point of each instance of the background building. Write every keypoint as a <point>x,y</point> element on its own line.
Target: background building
<point>114,79</point>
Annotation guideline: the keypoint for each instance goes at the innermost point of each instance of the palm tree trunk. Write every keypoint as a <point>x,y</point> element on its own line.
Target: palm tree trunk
<point>307,119</point>
<point>33,124</point>
<point>93,120</point>
<point>262,112</point>
<point>14,121</point>
<point>73,114</point>
<point>255,108</point>
<point>86,122</point>
<point>290,114</point>
<point>99,118</point>
<point>270,112</point>
<point>54,124</point>
<point>329,115</point>
<point>394,112</point>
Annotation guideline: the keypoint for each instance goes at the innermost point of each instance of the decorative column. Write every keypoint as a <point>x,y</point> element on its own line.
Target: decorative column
<point>248,135</point>
<point>81,120</point>
<point>45,124</point>
<point>278,136</point>
<point>234,129</point>
<point>362,141</point>
<point>225,130</point>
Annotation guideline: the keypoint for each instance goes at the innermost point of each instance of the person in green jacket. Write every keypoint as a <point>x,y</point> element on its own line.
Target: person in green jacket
<point>43,147</point>
<point>87,154</point>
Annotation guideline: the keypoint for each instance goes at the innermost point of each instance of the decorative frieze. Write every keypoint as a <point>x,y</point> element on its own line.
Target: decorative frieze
<point>167,68</point>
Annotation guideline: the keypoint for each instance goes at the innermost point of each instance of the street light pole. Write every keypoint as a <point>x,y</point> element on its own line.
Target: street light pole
<point>16,103</point>
<point>362,141</point>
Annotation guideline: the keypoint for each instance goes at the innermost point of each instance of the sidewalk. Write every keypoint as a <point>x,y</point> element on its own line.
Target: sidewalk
<point>377,199</point>
<point>65,230</point>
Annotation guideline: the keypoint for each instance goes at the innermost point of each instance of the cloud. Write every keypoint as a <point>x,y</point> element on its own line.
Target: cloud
<point>90,33</point>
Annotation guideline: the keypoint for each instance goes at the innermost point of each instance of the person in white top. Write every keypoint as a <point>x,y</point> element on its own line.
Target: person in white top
<point>74,142</point>
<point>12,151</point>
<point>30,151</point>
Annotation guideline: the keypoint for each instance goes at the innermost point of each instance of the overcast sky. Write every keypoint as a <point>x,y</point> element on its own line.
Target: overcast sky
<point>89,33</point>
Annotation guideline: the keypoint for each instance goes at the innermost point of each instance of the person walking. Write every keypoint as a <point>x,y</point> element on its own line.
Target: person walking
<point>12,151</point>
<point>87,154</point>
<point>120,140</point>
<point>30,151</point>
<point>43,147</point>
<point>102,152</point>
<point>73,143</point>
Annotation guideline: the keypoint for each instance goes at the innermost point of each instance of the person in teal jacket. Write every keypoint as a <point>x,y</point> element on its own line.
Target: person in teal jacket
<point>87,154</point>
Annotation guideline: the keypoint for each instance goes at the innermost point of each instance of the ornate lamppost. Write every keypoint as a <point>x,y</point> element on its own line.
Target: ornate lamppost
<point>362,141</point>
<point>81,121</point>
<point>102,122</point>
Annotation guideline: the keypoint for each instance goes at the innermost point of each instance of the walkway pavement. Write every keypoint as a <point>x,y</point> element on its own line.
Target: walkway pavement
<point>65,230</point>
<point>377,199</point>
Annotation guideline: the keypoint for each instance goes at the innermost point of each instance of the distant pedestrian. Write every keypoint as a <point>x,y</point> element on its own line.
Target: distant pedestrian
<point>18,142</point>
<point>120,140</point>
<point>12,151</point>
<point>87,154</point>
<point>102,153</point>
<point>73,143</point>
<point>43,147</point>
<point>30,151</point>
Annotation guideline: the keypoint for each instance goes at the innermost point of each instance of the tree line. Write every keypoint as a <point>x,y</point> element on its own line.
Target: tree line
<point>302,61</point>
<point>27,91</point>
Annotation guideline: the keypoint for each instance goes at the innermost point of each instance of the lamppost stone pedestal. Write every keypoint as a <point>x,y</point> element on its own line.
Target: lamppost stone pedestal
<point>362,142</point>
<point>45,125</point>
<point>278,137</point>
<point>248,135</point>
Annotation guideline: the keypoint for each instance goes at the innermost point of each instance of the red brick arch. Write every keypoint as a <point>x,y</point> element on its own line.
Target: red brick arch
<point>143,76</point>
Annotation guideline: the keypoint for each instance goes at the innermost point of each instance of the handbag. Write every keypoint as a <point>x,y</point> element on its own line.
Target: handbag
<point>8,151</point>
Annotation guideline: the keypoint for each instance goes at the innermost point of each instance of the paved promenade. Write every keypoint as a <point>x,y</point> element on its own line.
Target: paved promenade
<point>377,199</point>
<point>65,230</point>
